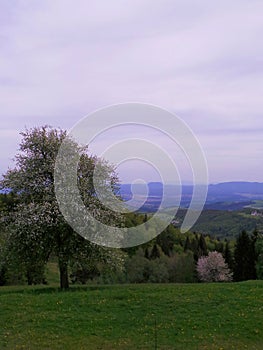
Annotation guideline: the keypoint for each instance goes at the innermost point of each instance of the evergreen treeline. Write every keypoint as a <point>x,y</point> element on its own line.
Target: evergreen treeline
<point>177,255</point>
<point>170,257</point>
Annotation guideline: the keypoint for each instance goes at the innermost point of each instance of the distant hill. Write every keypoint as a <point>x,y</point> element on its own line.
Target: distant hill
<point>227,211</point>
<point>224,224</point>
<point>236,191</point>
<point>222,196</point>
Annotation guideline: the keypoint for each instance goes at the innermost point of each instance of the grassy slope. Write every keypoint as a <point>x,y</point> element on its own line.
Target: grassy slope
<point>194,316</point>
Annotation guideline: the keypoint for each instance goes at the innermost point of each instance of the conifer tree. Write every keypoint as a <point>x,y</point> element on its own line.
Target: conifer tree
<point>187,244</point>
<point>259,253</point>
<point>195,245</point>
<point>219,246</point>
<point>244,265</point>
<point>166,240</point>
<point>202,247</point>
<point>155,253</point>
<point>228,256</point>
<point>146,253</point>
<point>253,254</point>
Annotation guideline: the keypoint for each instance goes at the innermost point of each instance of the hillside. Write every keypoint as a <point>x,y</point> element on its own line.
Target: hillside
<point>224,224</point>
<point>154,316</point>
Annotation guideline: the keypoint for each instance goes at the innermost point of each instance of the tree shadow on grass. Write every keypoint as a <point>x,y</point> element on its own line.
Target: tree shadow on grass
<point>49,289</point>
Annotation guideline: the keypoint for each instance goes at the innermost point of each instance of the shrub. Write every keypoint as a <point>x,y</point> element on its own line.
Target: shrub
<point>213,268</point>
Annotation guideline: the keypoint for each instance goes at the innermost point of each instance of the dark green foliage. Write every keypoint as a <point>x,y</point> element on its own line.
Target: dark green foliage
<point>259,254</point>
<point>8,201</point>
<point>181,268</point>
<point>219,247</point>
<point>36,274</point>
<point>83,275</point>
<point>167,239</point>
<point>3,275</point>
<point>195,246</point>
<point>146,253</point>
<point>157,271</point>
<point>137,269</point>
<point>225,224</point>
<point>187,244</point>
<point>178,268</point>
<point>228,256</point>
<point>155,253</point>
<point>202,247</point>
<point>244,266</point>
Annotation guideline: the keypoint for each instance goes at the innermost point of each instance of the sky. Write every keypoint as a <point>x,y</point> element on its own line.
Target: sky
<point>201,60</point>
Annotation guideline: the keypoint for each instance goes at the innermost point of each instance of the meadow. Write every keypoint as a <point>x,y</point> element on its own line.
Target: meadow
<point>142,316</point>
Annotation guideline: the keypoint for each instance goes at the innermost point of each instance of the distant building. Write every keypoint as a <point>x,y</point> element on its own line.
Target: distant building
<point>256,213</point>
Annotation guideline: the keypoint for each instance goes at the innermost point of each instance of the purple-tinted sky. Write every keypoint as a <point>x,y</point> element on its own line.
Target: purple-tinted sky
<point>202,60</point>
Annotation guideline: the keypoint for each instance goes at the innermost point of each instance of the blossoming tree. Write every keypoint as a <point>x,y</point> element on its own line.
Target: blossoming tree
<point>213,268</point>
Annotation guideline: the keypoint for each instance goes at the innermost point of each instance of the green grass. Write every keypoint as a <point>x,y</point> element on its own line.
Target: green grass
<point>187,316</point>
<point>52,273</point>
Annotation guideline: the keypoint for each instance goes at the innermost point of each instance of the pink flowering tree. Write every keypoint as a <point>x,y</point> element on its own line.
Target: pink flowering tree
<point>213,268</point>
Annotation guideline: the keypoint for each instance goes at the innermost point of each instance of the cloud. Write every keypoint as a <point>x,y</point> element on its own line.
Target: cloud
<point>61,60</point>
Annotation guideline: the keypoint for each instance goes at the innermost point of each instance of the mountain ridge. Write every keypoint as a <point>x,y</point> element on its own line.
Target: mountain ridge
<point>233,192</point>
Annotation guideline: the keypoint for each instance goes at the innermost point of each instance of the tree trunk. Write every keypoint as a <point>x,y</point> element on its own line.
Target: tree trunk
<point>63,270</point>
<point>29,277</point>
